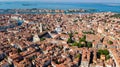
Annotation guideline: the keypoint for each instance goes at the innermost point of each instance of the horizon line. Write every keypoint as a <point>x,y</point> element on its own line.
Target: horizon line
<point>58,2</point>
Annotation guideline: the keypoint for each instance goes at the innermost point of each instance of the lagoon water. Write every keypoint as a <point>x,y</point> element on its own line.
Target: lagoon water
<point>100,7</point>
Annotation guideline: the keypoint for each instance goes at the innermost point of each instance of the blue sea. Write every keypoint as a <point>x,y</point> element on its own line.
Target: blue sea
<point>100,7</point>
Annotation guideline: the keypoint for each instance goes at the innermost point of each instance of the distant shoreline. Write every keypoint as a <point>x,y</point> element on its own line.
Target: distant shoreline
<point>48,11</point>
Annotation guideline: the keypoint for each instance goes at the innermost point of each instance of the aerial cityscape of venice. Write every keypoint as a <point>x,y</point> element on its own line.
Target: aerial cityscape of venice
<point>59,33</point>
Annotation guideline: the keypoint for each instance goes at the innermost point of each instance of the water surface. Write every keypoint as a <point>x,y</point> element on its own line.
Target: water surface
<point>102,7</point>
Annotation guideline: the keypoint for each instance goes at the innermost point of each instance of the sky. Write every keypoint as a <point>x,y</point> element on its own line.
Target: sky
<point>98,1</point>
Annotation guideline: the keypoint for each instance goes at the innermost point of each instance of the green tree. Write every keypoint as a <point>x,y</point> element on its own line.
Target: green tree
<point>75,20</point>
<point>80,45</point>
<point>103,52</point>
<point>70,40</point>
<point>70,35</point>
<point>77,56</point>
<point>76,32</point>
<point>42,39</point>
<point>116,15</point>
<point>110,42</point>
<point>89,44</point>
<point>75,44</point>
<point>107,57</point>
<point>83,39</point>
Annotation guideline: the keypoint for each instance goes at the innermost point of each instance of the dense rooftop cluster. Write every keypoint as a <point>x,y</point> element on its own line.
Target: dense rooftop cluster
<point>60,40</point>
<point>43,11</point>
